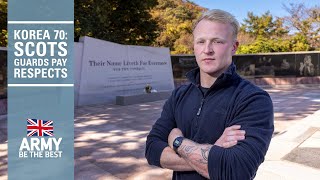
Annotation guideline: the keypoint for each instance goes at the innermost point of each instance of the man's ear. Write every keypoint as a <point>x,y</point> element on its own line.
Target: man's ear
<point>235,47</point>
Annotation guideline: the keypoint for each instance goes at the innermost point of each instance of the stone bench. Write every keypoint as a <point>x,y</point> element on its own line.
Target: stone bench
<point>142,98</point>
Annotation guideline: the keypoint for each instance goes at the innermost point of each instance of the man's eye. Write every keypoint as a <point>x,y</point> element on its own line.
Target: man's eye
<point>200,42</point>
<point>218,42</point>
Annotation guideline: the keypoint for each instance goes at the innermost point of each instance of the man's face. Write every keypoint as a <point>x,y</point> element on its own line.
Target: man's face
<point>214,46</point>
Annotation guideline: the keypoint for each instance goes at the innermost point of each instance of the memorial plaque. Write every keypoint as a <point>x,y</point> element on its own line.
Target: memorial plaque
<point>307,64</point>
<point>284,64</point>
<point>265,65</point>
<point>246,65</point>
<point>109,70</point>
<point>182,64</point>
<point>290,64</point>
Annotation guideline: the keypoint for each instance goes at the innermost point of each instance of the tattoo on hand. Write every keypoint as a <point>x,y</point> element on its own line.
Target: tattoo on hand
<point>205,153</point>
<point>188,149</point>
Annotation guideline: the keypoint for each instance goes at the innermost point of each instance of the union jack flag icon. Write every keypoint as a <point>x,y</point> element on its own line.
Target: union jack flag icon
<point>37,127</point>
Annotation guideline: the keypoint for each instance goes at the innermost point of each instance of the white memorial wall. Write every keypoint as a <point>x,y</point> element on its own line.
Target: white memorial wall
<point>104,70</point>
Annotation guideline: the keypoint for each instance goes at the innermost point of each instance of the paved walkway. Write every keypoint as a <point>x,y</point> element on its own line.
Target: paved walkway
<point>110,139</point>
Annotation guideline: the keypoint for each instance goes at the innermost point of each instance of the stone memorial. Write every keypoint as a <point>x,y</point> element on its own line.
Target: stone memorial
<point>262,65</point>
<point>105,70</point>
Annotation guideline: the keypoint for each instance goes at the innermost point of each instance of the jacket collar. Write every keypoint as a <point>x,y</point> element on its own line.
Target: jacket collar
<point>225,78</point>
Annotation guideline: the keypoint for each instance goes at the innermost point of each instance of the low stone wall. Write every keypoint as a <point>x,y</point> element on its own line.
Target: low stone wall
<point>279,65</point>
<point>272,81</point>
<point>286,81</point>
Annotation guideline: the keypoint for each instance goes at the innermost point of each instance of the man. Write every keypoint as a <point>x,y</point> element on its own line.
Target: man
<point>220,125</point>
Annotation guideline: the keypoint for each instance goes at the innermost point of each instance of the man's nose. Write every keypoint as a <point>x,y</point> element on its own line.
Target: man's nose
<point>208,49</point>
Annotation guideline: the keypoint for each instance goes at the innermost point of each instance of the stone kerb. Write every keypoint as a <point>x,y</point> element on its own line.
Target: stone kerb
<point>142,98</point>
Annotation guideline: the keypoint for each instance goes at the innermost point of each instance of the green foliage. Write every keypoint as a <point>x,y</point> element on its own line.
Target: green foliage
<point>169,23</point>
<point>175,21</point>
<point>299,43</point>
<point>268,35</point>
<point>264,45</point>
<point>265,34</point>
<point>263,26</point>
<point>3,23</point>
<point>121,21</point>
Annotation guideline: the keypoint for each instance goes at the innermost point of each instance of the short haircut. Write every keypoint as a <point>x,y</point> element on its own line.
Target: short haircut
<point>217,15</point>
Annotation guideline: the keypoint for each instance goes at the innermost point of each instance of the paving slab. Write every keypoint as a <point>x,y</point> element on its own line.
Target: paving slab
<point>308,152</point>
<point>85,170</point>
<point>110,139</point>
<point>285,170</point>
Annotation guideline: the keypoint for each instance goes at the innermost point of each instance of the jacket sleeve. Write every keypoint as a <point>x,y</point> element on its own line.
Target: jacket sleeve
<point>255,115</point>
<point>157,139</point>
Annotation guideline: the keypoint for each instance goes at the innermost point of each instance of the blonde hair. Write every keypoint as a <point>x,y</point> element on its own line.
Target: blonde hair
<point>217,15</point>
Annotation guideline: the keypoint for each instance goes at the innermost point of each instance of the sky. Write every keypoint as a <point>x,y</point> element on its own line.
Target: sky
<point>239,8</point>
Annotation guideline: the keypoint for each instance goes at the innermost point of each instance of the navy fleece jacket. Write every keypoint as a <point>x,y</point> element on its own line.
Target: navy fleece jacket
<point>230,101</point>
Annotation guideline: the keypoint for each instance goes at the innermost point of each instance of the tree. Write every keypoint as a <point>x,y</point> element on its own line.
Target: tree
<point>175,21</point>
<point>121,21</point>
<point>306,21</point>
<point>245,38</point>
<point>3,23</point>
<point>263,26</point>
<point>264,45</point>
<point>260,34</point>
<point>299,43</point>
